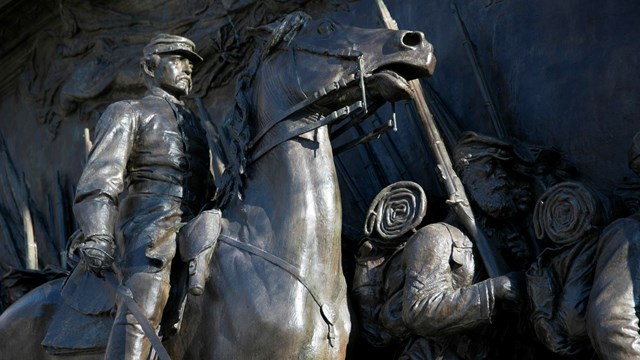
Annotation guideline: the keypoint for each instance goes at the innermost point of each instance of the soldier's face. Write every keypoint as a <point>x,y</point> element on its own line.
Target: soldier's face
<point>490,187</point>
<point>173,74</point>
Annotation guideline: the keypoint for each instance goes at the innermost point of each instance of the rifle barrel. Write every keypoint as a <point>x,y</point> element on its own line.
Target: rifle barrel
<point>457,197</point>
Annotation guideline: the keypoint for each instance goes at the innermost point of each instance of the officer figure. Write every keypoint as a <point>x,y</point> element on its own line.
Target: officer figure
<point>147,174</point>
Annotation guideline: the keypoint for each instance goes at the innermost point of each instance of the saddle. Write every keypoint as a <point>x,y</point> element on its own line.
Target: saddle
<point>89,302</point>
<point>83,318</point>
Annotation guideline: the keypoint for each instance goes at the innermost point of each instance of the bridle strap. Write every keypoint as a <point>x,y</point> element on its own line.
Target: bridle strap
<point>328,315</point>
<point>284,115</point>
<point>334,116</point>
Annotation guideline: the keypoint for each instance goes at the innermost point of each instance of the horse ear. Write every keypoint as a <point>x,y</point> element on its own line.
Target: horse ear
<point>281,30</point>
<point>264,32</point>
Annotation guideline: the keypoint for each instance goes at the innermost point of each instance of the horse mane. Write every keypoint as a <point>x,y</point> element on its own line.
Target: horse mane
<point>236,129</point>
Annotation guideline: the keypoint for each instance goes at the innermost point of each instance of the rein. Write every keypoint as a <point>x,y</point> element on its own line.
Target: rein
<point>348,54</point>
<point>326,309</point>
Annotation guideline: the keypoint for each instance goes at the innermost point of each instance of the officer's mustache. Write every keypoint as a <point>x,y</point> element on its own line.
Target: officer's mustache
<point>184,77</point>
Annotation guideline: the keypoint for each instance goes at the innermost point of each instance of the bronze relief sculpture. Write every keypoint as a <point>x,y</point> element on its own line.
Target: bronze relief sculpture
<point>278,261</point>
<point>411,295</point>
<point>146,176</point>
<point>276,288</point>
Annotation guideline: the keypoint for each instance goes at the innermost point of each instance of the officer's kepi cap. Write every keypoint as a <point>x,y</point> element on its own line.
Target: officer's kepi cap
<point>172,44</point>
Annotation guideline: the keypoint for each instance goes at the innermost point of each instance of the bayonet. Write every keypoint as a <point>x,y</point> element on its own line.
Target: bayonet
<point>472,54</point>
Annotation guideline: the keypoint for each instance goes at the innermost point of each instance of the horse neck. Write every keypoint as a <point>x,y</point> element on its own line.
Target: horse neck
<point>291,206</point>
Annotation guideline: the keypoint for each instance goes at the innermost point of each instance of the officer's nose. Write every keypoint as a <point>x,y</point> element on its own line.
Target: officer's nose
<point>188,67</point>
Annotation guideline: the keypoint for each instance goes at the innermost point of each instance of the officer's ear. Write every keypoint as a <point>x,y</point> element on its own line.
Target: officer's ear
<point>149,64</point>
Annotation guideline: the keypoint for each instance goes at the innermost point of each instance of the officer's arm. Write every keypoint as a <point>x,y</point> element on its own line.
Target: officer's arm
<point>96,201</point>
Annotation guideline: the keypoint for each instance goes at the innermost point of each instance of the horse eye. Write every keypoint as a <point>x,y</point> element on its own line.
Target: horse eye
<point>326,28</point>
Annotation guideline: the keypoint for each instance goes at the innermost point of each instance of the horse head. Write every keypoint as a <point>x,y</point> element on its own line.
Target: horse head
<point>328,61</point>
<point>306,69</point>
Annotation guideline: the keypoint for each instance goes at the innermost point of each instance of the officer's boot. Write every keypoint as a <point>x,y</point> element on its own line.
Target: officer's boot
<point>127,340</point>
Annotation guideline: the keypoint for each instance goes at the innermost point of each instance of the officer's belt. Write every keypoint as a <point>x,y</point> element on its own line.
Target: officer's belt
<point>164,189</point>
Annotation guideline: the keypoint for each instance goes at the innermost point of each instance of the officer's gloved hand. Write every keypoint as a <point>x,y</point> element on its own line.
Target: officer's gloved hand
<point>97,253</point>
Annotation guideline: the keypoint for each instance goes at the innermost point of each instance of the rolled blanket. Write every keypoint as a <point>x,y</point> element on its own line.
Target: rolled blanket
<point>396,210</point>
<point>568,212</point>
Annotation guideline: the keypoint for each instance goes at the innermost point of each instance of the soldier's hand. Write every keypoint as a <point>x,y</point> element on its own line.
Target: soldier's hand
<point>518,246</point>
<point>509,287</point>
<point>97,254</point>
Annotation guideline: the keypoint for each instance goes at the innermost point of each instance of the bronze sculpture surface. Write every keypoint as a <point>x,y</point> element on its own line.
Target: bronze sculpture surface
<point>571,277</point>
<point>504,179</point>
<point>276,287</point>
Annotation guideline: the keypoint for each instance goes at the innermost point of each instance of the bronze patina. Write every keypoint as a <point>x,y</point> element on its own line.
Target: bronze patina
<point>276,286</point>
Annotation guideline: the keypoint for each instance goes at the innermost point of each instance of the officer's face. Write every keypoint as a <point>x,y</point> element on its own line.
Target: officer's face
<point>173,74</point>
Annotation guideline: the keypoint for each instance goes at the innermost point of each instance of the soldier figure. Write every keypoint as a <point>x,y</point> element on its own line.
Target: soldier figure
<point>430,294</point>
<point>503,179</point>
<point>613,307</point>
<point>147,174</point>
<point>488,168</point>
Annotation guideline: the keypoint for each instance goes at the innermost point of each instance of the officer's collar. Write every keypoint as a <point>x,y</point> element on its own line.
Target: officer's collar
<point>156,91</point>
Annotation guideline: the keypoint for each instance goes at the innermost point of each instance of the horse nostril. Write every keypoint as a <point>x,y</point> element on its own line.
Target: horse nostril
<point>412,38</point>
